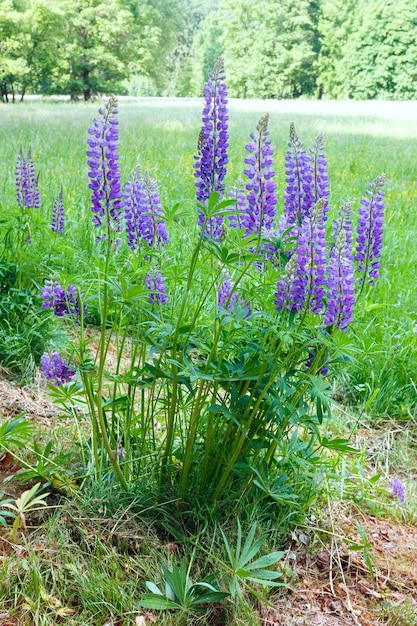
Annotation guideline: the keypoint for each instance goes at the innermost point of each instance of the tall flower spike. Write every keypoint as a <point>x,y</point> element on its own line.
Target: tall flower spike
<point>104,174</point>
<point>370,230</point>
<point>210,163</point>
<point>58,216</point>
<point>341,279</point>
<point>299,197</point>
<point>27,183</point>
<point>143,211</point>
<point>320,181</point>
<point>313,230</point>
<point>261,198</point>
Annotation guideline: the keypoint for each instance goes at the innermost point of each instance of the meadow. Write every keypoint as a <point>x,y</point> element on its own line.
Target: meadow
<point>114,539</point>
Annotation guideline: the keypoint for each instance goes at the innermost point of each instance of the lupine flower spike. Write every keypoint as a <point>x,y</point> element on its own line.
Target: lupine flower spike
<point>55,369</point>
<point>103,161</point>
<point>299,197</point>
<point>341,278</point>
<point>27,183</point>
<point>261,198</point>
<point>224,290</point>
<point>63,302</point>
<point>156,285</point>
<point>58,216</point>
<point>210,163</point>
<point>320,174</point>
<point>143,211</point>
<point>370,229</point>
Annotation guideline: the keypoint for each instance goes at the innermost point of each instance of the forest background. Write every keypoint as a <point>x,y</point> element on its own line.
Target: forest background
<point>359,49</point>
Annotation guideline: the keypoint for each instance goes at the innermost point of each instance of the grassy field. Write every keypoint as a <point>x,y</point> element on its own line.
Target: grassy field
<point>85,559</point>
<point>363,140</point>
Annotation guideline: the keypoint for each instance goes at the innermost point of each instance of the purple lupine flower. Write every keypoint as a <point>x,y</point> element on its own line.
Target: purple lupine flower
<point>341,279</point>
<point>27,183</point>
<point>224,299</point>
<point>156,285</point>
<point>261,199</point>
<point>55,369</point>
<point>312,230</point>
<point>143,211</point>
<point>210,163</point>
<point>63,302</point>
<point>299,197</point>
<point>397,490</point>
<point>290,294</point>
<point>238,193</point>
<point>58,216</point>
<point>317,158</point>
<point>104,174</point>
<point>370,230</point>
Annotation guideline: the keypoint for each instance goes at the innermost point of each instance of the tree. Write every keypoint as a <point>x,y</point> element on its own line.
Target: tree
<point>335,26</point>
<point>380,57</point>
<point>269,47</point>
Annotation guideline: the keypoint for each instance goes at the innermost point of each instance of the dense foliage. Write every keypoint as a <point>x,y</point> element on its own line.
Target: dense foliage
<point>312,48</point>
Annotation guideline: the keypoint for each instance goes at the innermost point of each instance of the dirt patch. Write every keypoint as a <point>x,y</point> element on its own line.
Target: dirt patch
<point>335,586</point>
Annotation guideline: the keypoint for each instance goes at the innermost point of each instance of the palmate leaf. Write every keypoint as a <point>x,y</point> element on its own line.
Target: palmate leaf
<point>245,569</point>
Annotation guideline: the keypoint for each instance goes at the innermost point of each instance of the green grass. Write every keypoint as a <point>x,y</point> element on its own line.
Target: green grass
<point>162,135</point>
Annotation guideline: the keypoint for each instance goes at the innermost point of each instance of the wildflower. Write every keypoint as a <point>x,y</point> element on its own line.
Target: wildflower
<point>210,163</point>
<point>314,235</point>
<point>27,184</point>
<point>104,174</point>
<point>55,369</point>
<point>261,199</point>
<point>156,285</point>
<point>341,279</point>
<point>290,294</point>
<point>299,197</point>
<point>397,490</point>
<point>320,180</point>
<point>58,217</point>
<point>238,193</point>
<point>224,299</point>
<point>143,211</point>
<point>370,229</point>
<point>61,301</point>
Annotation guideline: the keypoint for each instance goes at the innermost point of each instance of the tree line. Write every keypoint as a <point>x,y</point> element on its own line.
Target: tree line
<point>272,48</point>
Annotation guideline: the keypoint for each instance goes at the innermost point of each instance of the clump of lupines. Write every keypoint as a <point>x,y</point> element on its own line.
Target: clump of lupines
<point>58,215</point>
<point>210,163</point>
<point>27,183</point>
<point>370,230</point>
<point>104,173</point>
<point>143,211</point>
<point>63,302</point>
<point>55,369</point>
<point>324,281</point>
<point>260,209</point>
<point>156,285</point>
